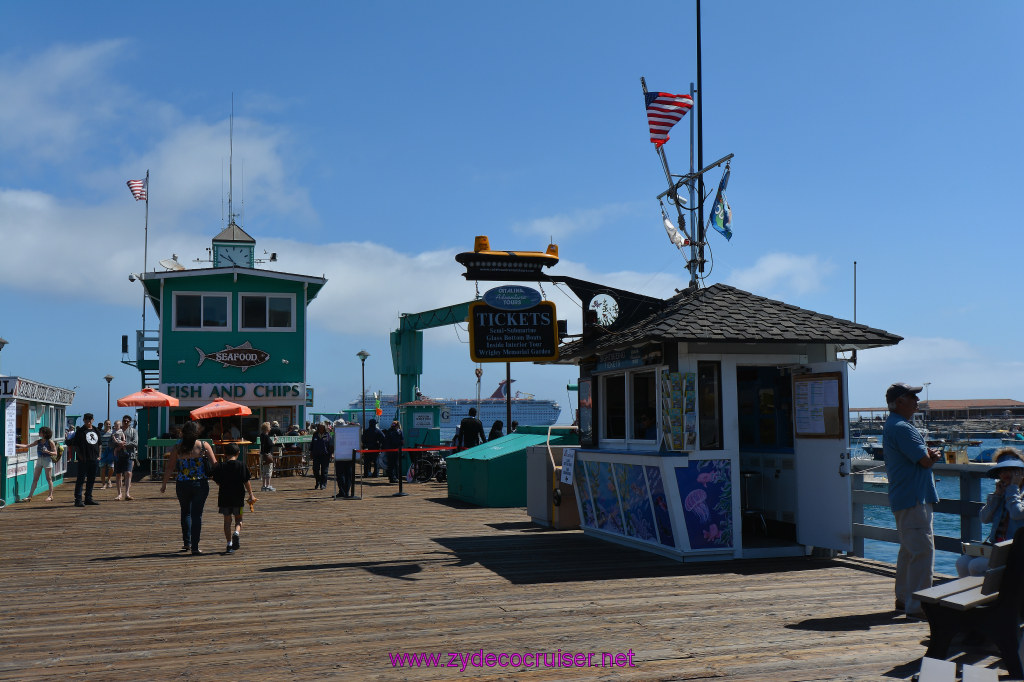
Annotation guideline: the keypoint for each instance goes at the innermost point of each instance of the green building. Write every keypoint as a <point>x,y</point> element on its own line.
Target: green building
<point>27,406</point>
<point>231,331</point>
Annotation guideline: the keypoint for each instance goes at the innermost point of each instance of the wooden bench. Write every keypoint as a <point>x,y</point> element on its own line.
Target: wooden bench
<point>989,605</point>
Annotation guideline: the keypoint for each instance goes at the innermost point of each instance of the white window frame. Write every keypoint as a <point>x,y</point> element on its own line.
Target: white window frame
<point>627,442</point>
<point>266,295</point>
<point>220,294</point>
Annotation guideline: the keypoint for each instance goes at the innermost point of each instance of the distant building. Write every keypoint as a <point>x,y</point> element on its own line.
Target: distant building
<point>985,408</point>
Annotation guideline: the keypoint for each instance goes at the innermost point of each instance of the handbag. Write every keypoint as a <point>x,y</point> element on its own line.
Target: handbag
<point>58,453</point>
<point>207,467</point>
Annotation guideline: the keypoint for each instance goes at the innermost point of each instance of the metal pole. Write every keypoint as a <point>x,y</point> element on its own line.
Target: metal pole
<point>692,265</point>
<point>109,378</point>
<point>508,396</point>
<point>145,255</point>
<point>700,230</point>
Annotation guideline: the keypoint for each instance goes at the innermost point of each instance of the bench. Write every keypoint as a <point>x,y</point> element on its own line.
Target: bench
<point>989,605</point>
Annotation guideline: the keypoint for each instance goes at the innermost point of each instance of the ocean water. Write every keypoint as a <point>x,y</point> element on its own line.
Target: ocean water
<point>945,524</point>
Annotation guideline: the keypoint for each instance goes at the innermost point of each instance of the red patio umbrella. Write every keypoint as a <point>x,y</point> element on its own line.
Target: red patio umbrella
<point>147,397</point>
<point>219,408</point>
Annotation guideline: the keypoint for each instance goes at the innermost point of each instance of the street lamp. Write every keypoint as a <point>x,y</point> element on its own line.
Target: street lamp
<point>362,355</point>
<point>109,379</point>
<point>3,342</point>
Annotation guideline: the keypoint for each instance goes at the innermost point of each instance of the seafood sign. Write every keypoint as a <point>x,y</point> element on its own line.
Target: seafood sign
<point>244,356</point>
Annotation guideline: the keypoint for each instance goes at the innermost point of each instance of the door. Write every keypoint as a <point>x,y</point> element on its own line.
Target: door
<point>824,511</point>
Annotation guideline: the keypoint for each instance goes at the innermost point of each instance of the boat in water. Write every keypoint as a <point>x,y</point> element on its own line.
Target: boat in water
<point>527,409</point>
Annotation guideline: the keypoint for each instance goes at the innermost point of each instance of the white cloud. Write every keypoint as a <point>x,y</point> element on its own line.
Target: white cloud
<point>53,101</point>
<point>777,275</point>
<point>559,227</point>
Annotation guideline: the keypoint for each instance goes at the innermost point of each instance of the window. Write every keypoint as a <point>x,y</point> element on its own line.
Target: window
<point>196,310</point>
<point>629,406</point>
<point>709,405</point>
<point>615,407</point>
<point>268,312</point>
<point>644,413</point>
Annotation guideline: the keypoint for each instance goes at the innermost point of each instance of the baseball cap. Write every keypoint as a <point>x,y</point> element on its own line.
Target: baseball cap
<point>900,389</point>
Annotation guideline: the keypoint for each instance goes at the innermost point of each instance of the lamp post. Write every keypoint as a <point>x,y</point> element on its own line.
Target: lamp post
<point>3,342</point>
<point>109,379</point>
<point>362,355</point>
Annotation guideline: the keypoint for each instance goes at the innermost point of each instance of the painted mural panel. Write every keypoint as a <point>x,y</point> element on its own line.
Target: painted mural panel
<point>606,502</point>
<point>662,519</point>
<point>638,517</point>
<point>705,487</point>
<point>587,519</point>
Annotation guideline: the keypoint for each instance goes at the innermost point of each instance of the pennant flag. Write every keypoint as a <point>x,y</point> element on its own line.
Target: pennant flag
<point>673,233</point>
<point>664,110</point>
<point>138,189</point>
<point>721,214</point>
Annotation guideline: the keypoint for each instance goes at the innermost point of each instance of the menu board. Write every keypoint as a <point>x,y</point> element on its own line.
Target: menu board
<point>818,405</point>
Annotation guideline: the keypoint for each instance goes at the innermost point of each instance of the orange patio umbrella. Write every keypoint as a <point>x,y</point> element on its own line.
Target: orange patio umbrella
<point>147,397</point>
<point>219,408</point>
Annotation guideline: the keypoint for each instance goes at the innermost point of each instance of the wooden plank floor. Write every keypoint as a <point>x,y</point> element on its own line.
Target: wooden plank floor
<point>328,589</point>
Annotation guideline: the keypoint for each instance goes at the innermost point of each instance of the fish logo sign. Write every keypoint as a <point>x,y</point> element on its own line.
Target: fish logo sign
<point>244,356</point>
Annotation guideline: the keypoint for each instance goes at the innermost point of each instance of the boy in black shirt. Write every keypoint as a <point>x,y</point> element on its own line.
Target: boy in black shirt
<point>233,478</point>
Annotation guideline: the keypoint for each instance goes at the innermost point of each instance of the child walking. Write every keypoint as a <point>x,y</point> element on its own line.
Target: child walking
<point>233,478</point>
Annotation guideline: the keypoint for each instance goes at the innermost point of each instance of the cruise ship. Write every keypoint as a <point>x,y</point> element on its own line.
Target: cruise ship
<point>526,409</point>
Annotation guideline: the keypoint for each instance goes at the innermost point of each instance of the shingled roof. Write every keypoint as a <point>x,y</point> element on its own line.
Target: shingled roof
<point>725,314</point>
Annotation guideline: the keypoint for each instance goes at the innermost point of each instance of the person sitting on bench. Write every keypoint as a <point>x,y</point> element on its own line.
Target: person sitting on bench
<point>1004,508</point>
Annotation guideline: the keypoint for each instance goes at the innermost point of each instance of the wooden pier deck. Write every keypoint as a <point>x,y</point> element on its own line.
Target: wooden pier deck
<point>329,589</point>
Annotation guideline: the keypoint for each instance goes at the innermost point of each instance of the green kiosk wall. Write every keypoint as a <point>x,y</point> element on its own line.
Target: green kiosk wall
<point>494,474</point>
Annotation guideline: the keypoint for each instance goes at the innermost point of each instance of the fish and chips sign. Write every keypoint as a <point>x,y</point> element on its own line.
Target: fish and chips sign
<point>513,324</point>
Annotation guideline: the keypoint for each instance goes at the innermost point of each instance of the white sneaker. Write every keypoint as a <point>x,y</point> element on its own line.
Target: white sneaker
<point>271,488</point>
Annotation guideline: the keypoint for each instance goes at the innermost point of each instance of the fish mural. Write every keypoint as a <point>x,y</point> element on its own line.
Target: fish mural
<point>244,356</point>
<point>706,487</point>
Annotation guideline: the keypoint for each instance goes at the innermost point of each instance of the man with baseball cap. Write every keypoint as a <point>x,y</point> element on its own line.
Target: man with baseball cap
<point>908,464</point>
<point>87,441</point>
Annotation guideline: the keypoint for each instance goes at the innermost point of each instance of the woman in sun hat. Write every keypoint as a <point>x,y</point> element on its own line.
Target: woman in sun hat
<point>1004,508</point>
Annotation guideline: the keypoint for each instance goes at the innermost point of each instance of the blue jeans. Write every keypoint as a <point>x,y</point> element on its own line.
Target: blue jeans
<point>192,498</point>
<point>87,475</point>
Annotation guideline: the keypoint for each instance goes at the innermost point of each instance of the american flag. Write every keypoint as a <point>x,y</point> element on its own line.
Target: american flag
<point>663,111</point>
<point>138,189</point>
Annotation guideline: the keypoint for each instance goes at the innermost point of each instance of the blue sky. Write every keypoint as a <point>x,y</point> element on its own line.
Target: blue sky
<point>374,140</point>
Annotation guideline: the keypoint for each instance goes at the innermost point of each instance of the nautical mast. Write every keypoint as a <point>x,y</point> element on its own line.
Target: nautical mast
<point>692,181</point>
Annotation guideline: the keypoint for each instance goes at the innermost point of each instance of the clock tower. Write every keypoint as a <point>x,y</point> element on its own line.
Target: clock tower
<point>233,248</point>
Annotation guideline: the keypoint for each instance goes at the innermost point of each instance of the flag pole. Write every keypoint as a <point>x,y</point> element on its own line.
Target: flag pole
<point>699,229</point>
<point>692,264</point>
<point>145,255</point>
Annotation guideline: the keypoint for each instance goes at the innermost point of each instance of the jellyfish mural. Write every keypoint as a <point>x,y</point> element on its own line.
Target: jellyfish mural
<point>697,503</point>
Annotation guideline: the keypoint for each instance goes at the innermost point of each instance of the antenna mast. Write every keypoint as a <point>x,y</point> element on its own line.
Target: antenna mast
<point>231,156</point>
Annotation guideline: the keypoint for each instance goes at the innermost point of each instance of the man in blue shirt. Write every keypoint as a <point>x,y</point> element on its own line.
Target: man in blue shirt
<point>908,464</point>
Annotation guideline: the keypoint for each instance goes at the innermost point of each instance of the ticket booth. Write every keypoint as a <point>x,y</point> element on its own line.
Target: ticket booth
<point>714,425</point>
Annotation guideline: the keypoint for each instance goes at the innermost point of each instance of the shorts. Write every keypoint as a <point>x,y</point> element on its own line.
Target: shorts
<point>231,511</point>
<point>124,464</point>
<point>267,470</point>
<point>107,457</point>
<point>44,463</point>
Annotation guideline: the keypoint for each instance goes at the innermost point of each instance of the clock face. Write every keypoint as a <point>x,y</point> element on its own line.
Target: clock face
<point>234,256</point>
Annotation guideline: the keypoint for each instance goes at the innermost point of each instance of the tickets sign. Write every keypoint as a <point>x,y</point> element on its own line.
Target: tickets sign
<point>527,335</point>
